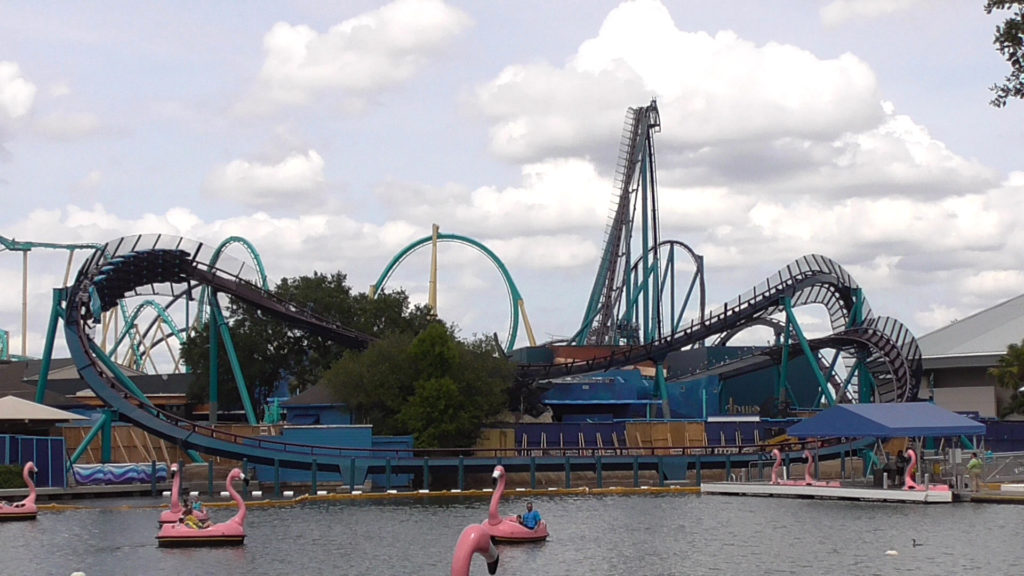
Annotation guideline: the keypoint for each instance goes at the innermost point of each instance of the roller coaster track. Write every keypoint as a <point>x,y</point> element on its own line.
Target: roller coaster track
<point>173,266</point>
<point>889,350</point>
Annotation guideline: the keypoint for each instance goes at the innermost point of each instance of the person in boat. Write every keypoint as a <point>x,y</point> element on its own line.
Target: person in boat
<point>531,519</point>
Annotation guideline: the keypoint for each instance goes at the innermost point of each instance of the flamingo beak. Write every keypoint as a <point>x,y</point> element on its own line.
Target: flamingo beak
<point>492,567</point>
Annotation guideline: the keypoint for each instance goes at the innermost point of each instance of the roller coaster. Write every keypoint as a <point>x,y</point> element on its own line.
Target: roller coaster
<point>638,313</point>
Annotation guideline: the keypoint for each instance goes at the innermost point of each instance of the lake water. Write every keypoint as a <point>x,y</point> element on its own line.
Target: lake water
<point>590,534</point>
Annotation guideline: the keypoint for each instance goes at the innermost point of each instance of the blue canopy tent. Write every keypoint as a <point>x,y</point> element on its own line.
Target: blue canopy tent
<point>896,420</point>
<point>879,421</point>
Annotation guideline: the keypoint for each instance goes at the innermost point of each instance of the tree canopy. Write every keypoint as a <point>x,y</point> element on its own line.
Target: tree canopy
<point>433,386</point>
<point>1009,41</point>
<point>1009,374</point>
<point>272,351</point>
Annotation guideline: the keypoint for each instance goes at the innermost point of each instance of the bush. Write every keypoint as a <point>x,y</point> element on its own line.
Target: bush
<point>10,477</point>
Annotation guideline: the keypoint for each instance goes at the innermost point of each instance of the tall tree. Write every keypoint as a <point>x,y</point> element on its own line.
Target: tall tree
<point>1009,374</point>
<point>272,351</point>
<point>435,387</point>
<point>1009,40</point>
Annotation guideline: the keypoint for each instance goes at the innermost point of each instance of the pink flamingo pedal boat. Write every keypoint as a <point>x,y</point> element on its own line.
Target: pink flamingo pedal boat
<point>229,533</point>
<point>175,512</point>
<point>808,478</point>
<point>474,540</point>
<point>26,509</point>
<point>908,478</point>
<point>508,529</point>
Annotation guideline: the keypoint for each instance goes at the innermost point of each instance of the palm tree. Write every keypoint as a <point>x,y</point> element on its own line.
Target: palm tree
<point>1010,374</point>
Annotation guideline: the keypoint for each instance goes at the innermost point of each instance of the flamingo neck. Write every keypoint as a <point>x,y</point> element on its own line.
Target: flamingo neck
<point>810,464</point>
<point>908,477</point>
<point>176,493</point>
<point>238,518</point>
<point>492,513</point>
<point>31,499</point>
<point>776,466</point>
<point>473,540</point>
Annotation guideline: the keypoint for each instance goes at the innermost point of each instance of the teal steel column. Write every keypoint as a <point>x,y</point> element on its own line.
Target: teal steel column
<point>568,473</point>
<point>245,470</point>
<point>533,472</point>
<point>661,470</point>
<point>104,418</point>
<point>812,359</point>
<point>636,471</point>
<point>152,478</point>
<point>209,478</point>
<point>277,478</point>
<point>236,368</point>
<point>56,311</point>
<point>352,475</point>
<point>659,376</point>
<point>312,468</point>
<point>597,465</point>
<point>697,471</point>
<point>105,440</point>
<point>387,473</point>
<point>214,364</point>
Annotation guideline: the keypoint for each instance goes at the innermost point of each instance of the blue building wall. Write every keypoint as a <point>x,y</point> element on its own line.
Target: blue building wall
<point>320,414</point>
<point>47,453</point>
<point>359,437</point>
<point>625,394</point>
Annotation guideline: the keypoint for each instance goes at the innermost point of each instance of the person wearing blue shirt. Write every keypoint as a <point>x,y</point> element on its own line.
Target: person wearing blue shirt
<point>532,518</point>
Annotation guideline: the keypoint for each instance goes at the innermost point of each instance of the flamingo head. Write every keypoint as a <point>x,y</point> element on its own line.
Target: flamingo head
<point>776,454</point>
<point>31,467</point>
<point>236,474</point>
<point>498,474</point>
<point>174,470</point>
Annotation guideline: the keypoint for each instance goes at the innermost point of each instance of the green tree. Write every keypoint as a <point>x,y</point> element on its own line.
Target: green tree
<point>1009,40</point>
<point>1009,374</point>
<point>270,350</point>
<point>435,387</point>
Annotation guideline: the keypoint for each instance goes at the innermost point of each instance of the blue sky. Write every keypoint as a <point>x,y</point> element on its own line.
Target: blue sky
<point>331,135</point>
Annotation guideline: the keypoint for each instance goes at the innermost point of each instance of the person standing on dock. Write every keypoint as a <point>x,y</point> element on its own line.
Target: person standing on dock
<point>974,468</point>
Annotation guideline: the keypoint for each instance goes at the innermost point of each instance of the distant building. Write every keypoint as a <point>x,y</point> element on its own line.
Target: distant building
<point>316,406</point>
<point>957,358</point>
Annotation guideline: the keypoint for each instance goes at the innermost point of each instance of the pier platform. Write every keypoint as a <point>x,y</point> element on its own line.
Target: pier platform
<point>828,492</point>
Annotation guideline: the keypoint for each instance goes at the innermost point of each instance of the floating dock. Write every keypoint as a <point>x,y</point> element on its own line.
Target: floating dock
<point>828,492</point>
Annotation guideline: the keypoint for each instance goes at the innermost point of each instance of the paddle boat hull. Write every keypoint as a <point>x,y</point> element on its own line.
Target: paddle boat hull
<point>14,513</point>
<point>181,536</point>
<point>26,509</point>
<point>229,533</point>
<point>511,531</point>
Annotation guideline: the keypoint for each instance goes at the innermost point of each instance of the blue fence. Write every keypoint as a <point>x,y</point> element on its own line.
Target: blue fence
<point>48,454</point>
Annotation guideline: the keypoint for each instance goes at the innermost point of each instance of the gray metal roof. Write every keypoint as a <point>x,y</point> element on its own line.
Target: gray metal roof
<point>17,409</point>
<point>986,332</point>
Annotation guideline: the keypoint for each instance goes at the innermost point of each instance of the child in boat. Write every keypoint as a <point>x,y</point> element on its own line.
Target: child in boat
<point>191,521</point>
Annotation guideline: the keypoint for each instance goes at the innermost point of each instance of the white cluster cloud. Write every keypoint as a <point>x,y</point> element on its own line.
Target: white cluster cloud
<point>841,11</point>
<point>16,93</point>
<point>767,151</point>
<point>296,181</point>
<point>711,89</point>
<point>358,57</point>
